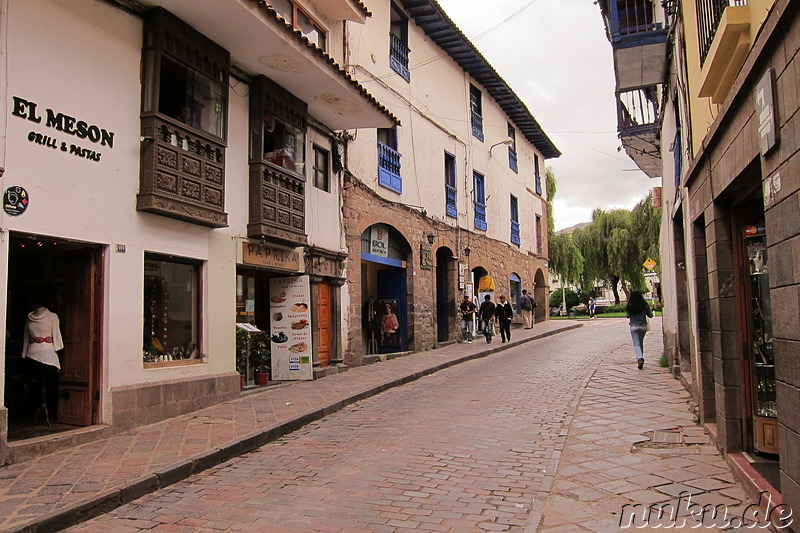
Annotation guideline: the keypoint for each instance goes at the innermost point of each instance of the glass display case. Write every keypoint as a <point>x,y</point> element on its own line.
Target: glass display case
<point>761,342</point>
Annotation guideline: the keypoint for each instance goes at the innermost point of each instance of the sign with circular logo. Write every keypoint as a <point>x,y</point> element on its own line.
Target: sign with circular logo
<point>15,201</point>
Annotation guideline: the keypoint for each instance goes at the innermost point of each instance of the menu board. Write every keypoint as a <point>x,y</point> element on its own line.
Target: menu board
<point>290,328</point>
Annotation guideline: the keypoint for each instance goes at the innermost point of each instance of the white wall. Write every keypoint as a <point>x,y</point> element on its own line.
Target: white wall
<point>434,111</point>
<point>83,59</point>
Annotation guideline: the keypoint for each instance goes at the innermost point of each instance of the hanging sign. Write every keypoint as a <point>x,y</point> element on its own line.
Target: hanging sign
<point>15,201</point>
<point>425,257</point>
<point>765,113</point>
<point>649,264</point>
<point>290,328</point>
<point>269,256</point>
<point>379,241</point>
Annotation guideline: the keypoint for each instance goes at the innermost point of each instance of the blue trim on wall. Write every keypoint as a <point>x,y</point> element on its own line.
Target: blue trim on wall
<point>382,260</point>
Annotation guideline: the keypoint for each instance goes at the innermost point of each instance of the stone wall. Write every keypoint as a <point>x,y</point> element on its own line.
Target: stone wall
<point>141,404</point>
<point>363,208</point>
<point>729,165</point>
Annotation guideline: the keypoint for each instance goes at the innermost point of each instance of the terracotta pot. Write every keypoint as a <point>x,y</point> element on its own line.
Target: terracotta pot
<point>262,377</point>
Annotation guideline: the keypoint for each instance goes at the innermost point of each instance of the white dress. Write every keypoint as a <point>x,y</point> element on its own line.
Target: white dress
<point>42,337</point>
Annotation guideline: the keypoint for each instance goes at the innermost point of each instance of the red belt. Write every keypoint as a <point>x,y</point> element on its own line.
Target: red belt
<point>40,340</point>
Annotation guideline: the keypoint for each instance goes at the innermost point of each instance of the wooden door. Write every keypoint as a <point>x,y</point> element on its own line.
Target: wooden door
<point>324,323</point>
<point>77,314</point>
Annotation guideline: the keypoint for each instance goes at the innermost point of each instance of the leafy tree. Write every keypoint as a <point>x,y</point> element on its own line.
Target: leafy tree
<point>566,259</point>
<point>550,189</point>
<point>612,249</point>
<point>647,227</point>
<point>572,299</point>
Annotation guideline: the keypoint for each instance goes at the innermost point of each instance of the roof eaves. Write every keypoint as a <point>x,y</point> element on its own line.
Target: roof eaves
<point>324,56</point>
<point>430,16</point>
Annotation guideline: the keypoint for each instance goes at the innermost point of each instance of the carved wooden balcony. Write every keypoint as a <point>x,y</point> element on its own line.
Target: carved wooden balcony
<point>182,174</point>
<point>277,204</point>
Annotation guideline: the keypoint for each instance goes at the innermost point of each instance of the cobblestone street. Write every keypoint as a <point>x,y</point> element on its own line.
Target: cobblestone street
<point>553,435</point>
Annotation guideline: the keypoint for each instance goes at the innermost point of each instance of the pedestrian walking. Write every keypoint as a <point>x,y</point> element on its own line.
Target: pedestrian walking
<point>528,304</point>
<point>468,309</point>
<point>638,313</point>
<point>486,315</point>
<point>592,303</point>
<point>504,316</point>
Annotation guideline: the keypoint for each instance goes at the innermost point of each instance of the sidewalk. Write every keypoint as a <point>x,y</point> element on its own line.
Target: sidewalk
<point>632,443</point>
<point>56,491</point>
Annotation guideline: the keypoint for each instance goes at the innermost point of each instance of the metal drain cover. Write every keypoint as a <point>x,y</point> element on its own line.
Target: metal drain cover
<point>667,436</point>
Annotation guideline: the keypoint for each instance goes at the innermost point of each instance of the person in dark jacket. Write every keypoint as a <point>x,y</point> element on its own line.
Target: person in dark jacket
<point>486,316</point>
<point>504,316</point>
<point>637,312</point>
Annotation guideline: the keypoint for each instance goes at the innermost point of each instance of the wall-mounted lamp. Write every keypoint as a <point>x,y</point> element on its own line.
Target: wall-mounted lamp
<point>507,142</point>
<point>431,237</point>
<point>467,251</point>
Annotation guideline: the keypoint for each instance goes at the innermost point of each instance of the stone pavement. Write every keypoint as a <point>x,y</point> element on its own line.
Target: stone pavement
<point>633,441</point>
<point>58,490</point>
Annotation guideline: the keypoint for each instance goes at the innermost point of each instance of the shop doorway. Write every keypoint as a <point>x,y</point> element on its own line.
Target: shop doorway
<point>384,290</point>
<point>445,293</point>
<point>752,263</point>
<point>49,392</point>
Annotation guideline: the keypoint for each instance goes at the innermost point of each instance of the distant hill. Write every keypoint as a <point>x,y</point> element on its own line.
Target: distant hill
<point>571,229</point>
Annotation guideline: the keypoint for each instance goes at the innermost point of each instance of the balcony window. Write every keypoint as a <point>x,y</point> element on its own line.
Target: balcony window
<point>538,184</point>
<point>184,122</point>
<point>171,310</point>
<point>321,169</point>
<point>284,144</point>
<point>300,21</point>
<point>479,199</point>
<point>450,185</point>
<point>278,123</point>
<point>191,98</point>
<point>629,17</point>
<point>389,160</point>
<point>709,15</point>
<point>638,107</point>
<point>398,43</point>
<point>515,220</point>
<point>512,149</point>
<point>476,112</point>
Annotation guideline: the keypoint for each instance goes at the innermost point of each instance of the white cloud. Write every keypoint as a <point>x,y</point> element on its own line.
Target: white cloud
<point>556,57</point>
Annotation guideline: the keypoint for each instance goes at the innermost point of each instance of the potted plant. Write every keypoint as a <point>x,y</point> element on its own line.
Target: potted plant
<point>242,340</point>
<point>260,359</point>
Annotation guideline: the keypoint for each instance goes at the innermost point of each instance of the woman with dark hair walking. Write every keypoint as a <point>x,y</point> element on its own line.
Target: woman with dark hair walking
<point>637,312</point>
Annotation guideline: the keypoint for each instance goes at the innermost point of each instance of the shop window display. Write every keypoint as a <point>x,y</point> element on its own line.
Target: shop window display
<point>171,296</point>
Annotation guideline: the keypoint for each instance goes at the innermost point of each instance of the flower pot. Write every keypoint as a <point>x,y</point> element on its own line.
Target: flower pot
<point>261,377</point>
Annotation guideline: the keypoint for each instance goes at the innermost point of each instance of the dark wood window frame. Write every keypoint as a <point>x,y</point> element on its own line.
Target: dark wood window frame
<point>170,355</point>
<point>322,171</point>
<point>182,155</point>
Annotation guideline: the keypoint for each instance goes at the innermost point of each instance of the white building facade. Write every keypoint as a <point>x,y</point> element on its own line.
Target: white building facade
<point>448,202</point>
<point>170,170</point>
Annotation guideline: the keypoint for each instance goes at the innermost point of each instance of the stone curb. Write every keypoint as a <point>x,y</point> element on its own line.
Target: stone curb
<point>106,501</point>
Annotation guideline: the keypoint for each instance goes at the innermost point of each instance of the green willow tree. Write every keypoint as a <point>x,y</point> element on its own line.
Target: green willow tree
<point>616,244</point>
<point>564,256</point>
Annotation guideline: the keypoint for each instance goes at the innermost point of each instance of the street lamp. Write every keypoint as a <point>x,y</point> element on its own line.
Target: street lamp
<point>431,238</point>
<point>506,142</point>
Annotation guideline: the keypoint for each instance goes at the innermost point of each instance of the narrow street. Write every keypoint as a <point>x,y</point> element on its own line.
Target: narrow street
<point>552,435</point>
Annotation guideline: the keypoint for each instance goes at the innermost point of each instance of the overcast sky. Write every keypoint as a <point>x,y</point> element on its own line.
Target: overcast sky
<point>556,58</point>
